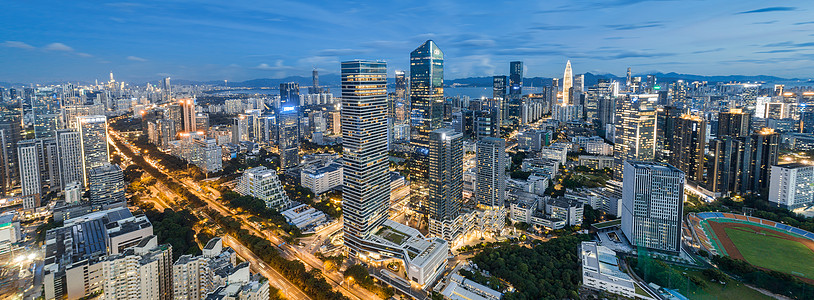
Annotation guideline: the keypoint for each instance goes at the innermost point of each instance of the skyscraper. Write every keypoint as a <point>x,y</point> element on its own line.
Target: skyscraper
<point>289,94</point>
<point>763,152</point>
<point>567,84</point>
<point>728,168</point>
<point>188,114</point>
<point>166,89</point>
<point>106,184</point>
<point>93,138</point>
<point>499,95</point>
<point>289,141</point>
<point>734,123</point>
<point>445,182</point>
<point>515,80</point>
<point>652,203</point>
<point>70,156</point>
<point>665,128</point>
<point>635,132</point>
<point>366,190</point>
<point>401,85</point>
<point>491,181</point>
<point>427,104</point>
<point>688,144</point>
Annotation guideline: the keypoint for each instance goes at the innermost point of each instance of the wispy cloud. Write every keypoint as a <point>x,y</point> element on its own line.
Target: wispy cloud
<point>778,51</point>
<point>58,47</point>
<point>136,58</point>
<point>556,27</point>
<point>708,51</point>
<point>804,23</point>
<point>652,24</point>
<point>16,44</point>
<point>768,9</point>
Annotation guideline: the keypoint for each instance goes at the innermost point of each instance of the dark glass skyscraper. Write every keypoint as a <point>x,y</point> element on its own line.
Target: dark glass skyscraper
<point>366,189</point>
<point>289,94</point>
<point>427,104</point>
<point>499,94</point>
<point>515,79</point>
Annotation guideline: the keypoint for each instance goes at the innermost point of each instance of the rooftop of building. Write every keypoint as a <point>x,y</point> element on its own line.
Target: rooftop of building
<point>604,260</point>
<point>785,166</point>
<point>652,165</point>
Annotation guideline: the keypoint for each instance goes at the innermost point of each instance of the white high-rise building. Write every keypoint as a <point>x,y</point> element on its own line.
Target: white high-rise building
<point>93,139</point>
<point>195,277</point>
<point>141,272</point>
<point>70,156</point>
<point>567,84</point>
<point>490,189</point>
<point>366,190</point>
<point>792,185</point>
<point>263,184</point>
<point>29,162</point>
<point>652,203</point>
<point>73,192</point>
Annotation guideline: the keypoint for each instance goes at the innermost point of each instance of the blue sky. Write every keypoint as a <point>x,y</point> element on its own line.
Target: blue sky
<point>239,40</point>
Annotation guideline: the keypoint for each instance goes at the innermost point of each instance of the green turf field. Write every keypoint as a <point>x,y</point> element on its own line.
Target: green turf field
<point>773,253</point>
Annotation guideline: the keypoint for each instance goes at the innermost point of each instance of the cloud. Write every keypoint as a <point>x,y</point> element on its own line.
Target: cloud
<point>767,23</point>
<point>83,54</point>
<point>557,27</point>
<point>708,51</point>
<point>16,44</point>
<point>768,9</point>
<point>477,43</point>
<point>635,26</point>
<point>778,51</point>
<point>636,54</point>
<point>278,66</point>
<point>790,45</point>
<point>136,58</point>
<point>58,47</point>
<point>804,23</point>
<point>341,52</point>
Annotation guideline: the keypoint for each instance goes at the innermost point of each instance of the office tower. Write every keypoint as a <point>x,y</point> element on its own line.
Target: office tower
<point>792,185</point>
<point>290,94</point>
<point>579,84</point>
<point>628,81</point>
<point>679,92</point>
<point>491,180</point>
<point>499,94</point>
<point>46,116</point>
<point>166,89</point>
<point>202,123</point>
<point>70,156</point>
<point>427,101</point>
<point>401,85</point>
<point>289,140</point>
<point>688,144</point>
<point>188,114</point>
<point>567,84</point>
<point>665,127</point>
<point>314,89</point>
<point>93,139</point>
<point>206,154</point>
<point>652,203</point>
<point>734,123</point>
<point>141,272</point>
<point>635,133</point>
<point>175,113</point>
<point>445,182</point>
<point>106,184</point>
<point>651,84</point>
<point>763,152</point>
<point>366,190</point>
<point>515,80</point>
<point>594,97</point>
<point>265,185</point>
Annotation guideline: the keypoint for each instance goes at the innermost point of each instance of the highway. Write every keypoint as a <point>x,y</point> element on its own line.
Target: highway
<point>278,280</point>
<point>289,252</point>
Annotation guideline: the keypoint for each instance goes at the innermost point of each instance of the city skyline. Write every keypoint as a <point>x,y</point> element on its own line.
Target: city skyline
<point>149,40</point>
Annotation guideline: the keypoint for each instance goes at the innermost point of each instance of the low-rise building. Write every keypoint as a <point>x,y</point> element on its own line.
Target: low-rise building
<point>596,162</point>
<point>304,216</point>
<point>321,178</point>
<point>460,288</point>
<point>593,145</point>
<point>557,154</point>
<point>601,271</point>
<point>9,232</point>
<point>565,209</point>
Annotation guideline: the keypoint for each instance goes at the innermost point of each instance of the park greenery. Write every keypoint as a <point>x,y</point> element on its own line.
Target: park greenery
<point>175,228</point>
<point>362,278</point>
<point>258,208</point>
<point>547,270</point>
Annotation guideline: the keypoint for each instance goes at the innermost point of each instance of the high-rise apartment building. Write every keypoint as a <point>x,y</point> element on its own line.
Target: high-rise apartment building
<point>763,151</point>
<point>490,188</point>
<point>188,114</point>
<point>652,203</point>
<point>445,182</point>
<point>93,138</point>
<point>792,185</point>
<point>366,190</point>
<point>70,156</point>
<point>427,104</point>
<point>106,184</point>
<point>141,272</point>
<point>734,123</point>
<point>688,144</point>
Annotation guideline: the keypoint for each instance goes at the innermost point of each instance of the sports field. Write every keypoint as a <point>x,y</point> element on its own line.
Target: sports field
<point>766,247</point>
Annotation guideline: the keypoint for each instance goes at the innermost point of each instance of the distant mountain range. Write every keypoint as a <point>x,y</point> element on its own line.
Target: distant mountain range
<point>485,81</point>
